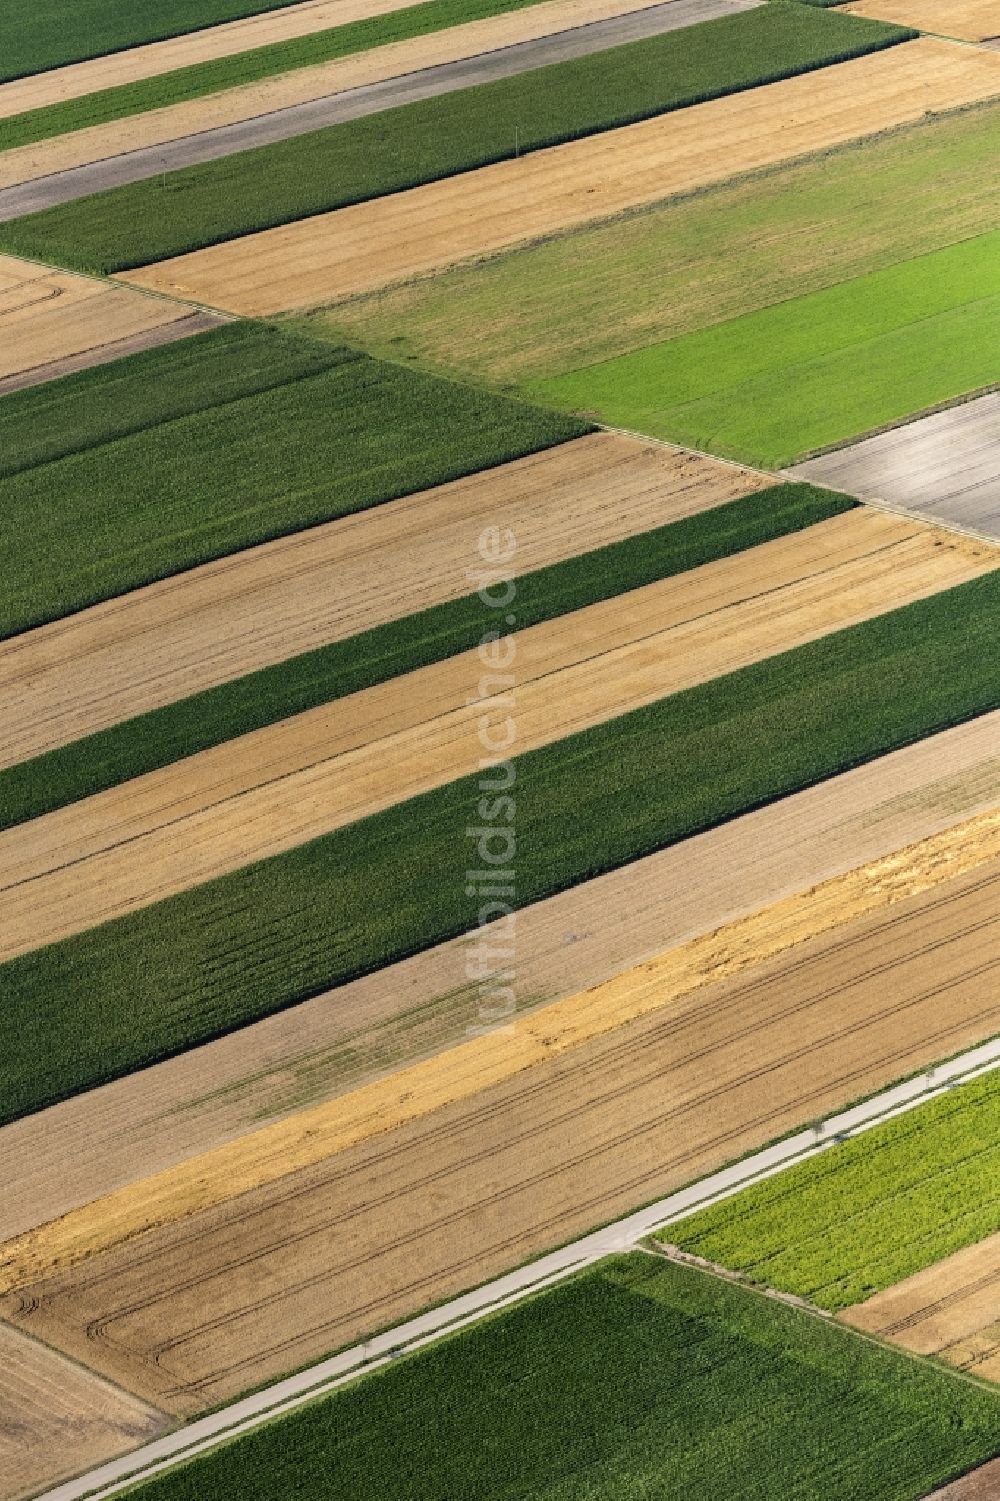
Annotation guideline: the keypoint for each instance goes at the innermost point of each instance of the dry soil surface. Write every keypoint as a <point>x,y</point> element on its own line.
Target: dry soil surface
<point>980,1485</point>
<point>194,1313</point>
<point>56,1419</point>
<point>951,1310</point>
<point>331,256</point>
<point>279,787</point>
<point>269,603</point>
<point>970,20</point>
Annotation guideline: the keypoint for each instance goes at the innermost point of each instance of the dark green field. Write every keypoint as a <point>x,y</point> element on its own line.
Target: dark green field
<point>157,981</point>
<point>40,34</point>
<point>168,734</point>
<point>636,1381</point>
<point>185,454</point>
<point>435,138</point>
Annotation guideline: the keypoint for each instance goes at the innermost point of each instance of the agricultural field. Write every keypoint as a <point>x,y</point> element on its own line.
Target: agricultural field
<point>635,1374</point>
<point>969,20</point>
<point>436,138</point>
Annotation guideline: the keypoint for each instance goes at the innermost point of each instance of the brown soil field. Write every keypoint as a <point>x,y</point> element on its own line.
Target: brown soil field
<point>193,1313</point>
<point>336,255</point>
<point>117,68</point>
<point>85,1148</point>
<point>56,1419</point>
<point>261,606</point>
<point>969,20</point>
<point>278,787</point>
<point>951,1310</point>
<point>47,316</point>
<point>979,1485</point>
<point>157,126</point>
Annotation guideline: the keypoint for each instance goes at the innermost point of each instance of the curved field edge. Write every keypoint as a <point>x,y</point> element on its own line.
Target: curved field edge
<point>635,1373</point>
<point>156,982</point>
<point>128,495</point>
<point>869,1211</point>
<point>432,139</point>
<point>163,736</point>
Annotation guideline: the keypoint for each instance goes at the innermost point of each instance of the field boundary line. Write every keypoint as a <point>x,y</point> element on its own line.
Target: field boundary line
<point>621,1235</point>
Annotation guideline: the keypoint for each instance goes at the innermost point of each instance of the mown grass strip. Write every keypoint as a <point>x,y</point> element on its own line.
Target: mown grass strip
<point>246,67</point>
<point>183,486</point>
<point>870,1211</point>
<point>858,356</point>
<point>158,981</point>
<point>635,1378</point>
<point>434,138</point>
<point>248,703</point>
<point>42,34</point>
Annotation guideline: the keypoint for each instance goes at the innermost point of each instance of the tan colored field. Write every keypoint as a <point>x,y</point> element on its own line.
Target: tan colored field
<point>278,787</point>
<point>47,316</point>
<point>970,20</point>
<point>269,603</point>
<point>951,1310</point>
<point>332,256</point>
<point>57,1419</point>
<point>87,1147</point>
<point>979,1485</point>
<point>119,68</point>
<point>156,126</point>
<point>195,1312</point>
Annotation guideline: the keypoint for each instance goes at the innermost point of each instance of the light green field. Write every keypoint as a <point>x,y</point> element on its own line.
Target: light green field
<point>862,1216</point>
<point>789,379</point>
<point>608,290</point>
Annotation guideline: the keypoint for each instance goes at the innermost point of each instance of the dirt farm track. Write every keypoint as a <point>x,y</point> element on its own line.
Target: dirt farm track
<point>192,1314</point>
<point>369,245</point>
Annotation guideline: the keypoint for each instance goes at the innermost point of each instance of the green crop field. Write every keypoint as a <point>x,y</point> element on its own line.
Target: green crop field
<point>636,1379</point>
<point>435,138</point>
<point>40,34</point>
<point>157,981</point>
<point>168,734</point>
<point>604,291</point>
<point>802,375</point>
<point>232,439</point>
<point>870,1211</point>
<point>246,67</point>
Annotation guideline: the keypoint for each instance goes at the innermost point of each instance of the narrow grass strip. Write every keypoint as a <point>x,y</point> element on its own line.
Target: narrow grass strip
<point>869,1212</point>
<point>242,68</point>
<point>436,138</point>
<point>418,1090</point>
<point>169,734</point>
<point>156,982</point>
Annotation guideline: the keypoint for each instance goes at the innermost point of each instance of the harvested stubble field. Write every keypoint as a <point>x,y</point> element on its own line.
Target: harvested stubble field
<point>300,779</point>
<point>56,1418</point>
<point>227,952</point>
<point>635,1378</point>
<point>51,318</point>
<point>670,270</point>
<point>970,20</point>
<point>981,1484</point>
<point>871,1211</point>
<point>573,1131</point>
<point>951,1310</point>
<point>86,1148</point>
<point>331,256</point>
<point>256,609</point>
<point>859,356</point>
<point>286,433</point>
<point>434,32</point>
<point>436,138</point>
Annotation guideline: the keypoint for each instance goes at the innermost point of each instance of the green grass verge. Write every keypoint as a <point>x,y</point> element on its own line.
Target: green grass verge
<point>246,67</point>
<point>870,1211</point>
<point>802,375</point>
<point>169,479</point>
<point>435,138</point>
<point>155,982</point>
<point>41,34</point>
<point>634,1379</point>
<point>248,703</point>
<point>666,271</point>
